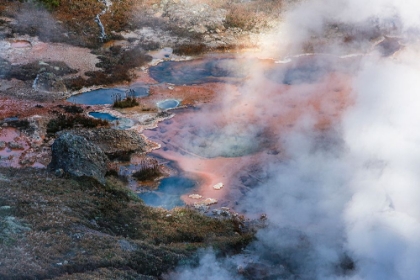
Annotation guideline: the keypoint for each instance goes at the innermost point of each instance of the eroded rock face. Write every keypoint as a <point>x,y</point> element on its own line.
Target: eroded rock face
<point>47,81</point>
<point>78,157</point>
<point>117,144</point>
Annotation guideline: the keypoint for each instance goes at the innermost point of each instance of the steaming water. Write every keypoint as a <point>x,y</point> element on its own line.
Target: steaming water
<point>198,71</point>
<point>301,70</point>
<point>105,95</point>
<point>298,70</point>
<point>168,193</point>
<point>206,140</point>
<point>342,202</point>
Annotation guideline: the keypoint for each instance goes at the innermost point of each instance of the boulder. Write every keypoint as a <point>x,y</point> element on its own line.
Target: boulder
<point>78,157</point>
<point>117,144</point>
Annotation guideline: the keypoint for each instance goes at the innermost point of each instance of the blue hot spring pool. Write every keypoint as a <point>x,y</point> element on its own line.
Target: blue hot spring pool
<point>168,104</point>
<point>103,116</point>
<point>306,69</point>
<point>105,95</point>
<point>169,192</point>
<point>199,71</point>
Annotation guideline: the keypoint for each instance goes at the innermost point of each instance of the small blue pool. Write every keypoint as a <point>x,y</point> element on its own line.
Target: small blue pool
<point>169,192</point>
<point>105,95</point>
<point>103,116</point>
<point>168,104</point>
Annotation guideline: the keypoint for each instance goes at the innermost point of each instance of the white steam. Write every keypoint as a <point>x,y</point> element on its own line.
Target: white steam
<point>344,203</point>
<point>359,198</point>
<point>383,216</point>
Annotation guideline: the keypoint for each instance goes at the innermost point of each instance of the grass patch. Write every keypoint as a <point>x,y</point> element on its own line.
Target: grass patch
<point>66,122</point>
<point>149,170</point>
<point>83,228</point>
<point>128,101</point>
<point>190,49</point>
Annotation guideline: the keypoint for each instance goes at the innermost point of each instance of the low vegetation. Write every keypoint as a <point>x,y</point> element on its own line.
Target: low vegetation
<point>190,49</point>
<point>116,65</point>
<point>63,121</point>
<point>20,124</point>
<point>149,170</point>
<point>50,4</point>
<point>128,101</point>
<point>71,109</point>
<point>57,228</point>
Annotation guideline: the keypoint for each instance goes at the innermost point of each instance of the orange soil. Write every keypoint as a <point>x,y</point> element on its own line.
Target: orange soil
<point>10,107</point>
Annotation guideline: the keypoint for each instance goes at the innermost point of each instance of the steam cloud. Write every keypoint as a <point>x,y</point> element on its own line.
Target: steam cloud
<point>343,203</point>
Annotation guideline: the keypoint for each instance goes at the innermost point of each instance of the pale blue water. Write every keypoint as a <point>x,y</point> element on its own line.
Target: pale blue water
<point>105,95</point>
<point>169,192</point>
<point>103,116</point>
<point>168,104</point>
<point>198,71</point>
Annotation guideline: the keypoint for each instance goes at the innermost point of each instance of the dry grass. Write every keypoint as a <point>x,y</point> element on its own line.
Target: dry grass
<point>252,15</point>
<point>63,121</point>
<point>190,49</point>
<point>81,230</point>
<point>149,170</point>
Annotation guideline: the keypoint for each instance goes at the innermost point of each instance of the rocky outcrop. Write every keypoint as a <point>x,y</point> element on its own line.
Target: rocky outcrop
<point>78,157</point>
<point>48,81</point>
<point>117,144</point>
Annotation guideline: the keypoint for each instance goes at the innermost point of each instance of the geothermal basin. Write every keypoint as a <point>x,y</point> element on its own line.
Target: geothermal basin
<point>229,139</point>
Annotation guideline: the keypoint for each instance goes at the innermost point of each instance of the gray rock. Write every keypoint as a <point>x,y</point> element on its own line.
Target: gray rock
<point>47,81</point>
<point>78,157</point>
<point>117,144</point>
<point>2,145</point>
